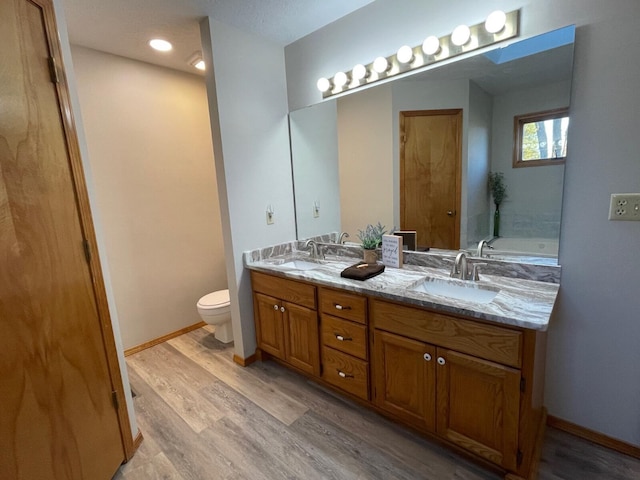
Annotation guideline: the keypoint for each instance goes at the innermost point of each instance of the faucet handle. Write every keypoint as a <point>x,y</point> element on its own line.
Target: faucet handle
<point>476,271</point>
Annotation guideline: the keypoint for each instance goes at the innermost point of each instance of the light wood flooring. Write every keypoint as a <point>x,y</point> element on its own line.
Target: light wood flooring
<point>204,417</point>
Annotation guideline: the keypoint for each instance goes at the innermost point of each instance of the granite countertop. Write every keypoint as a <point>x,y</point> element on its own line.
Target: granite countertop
<point>519,302</point>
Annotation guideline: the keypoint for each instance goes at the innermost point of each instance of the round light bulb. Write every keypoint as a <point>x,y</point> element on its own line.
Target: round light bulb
<point>431,45</point>
<point>340,79</point>
<point>323,84</point>
<point>359,72</point>
<point>160,45</point>
<point>380,64</point>
<point>405,54</point>
<point>495,21</point>
<point>460,35</point>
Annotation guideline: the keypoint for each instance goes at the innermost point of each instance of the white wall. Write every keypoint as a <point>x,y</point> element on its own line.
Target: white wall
<point>525,212</point>
<point>593,354</point>
<point>365,146</point>
<point>314,153</point>
<point>149,142</point>
<point>247,95</point>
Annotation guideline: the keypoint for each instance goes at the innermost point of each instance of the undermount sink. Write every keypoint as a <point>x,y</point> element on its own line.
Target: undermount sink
<point>299,265</point>
<point>459,290</point>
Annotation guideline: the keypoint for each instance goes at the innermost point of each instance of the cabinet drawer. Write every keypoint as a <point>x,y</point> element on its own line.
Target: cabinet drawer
<point>490,342</point>
<point>345,372</point>
<point>348,337</point>
<point>289,290</point>
<point>344,305</point>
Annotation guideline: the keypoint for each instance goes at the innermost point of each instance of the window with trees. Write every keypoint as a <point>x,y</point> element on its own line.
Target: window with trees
<point>540,138</point>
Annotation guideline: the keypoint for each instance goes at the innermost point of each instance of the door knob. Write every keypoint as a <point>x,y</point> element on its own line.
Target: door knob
<point>451,213</point>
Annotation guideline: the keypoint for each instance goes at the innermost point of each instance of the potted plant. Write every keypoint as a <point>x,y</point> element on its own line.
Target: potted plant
<point>371,238</point>
<point>499,193</point>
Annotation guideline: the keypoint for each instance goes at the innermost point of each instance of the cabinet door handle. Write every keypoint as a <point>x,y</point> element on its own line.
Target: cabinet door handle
<point>344,375</point>
<point>427,357</point>
<point>441,361</point>
<point>343,339</point>
<point>276,307</point>
<point>282,309</point>
<point>341,307</point>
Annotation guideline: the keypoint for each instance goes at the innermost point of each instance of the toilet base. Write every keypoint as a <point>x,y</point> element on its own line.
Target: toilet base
<point>224,332</point>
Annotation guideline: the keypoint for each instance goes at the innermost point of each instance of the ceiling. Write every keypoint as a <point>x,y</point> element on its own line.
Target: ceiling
<point>124,27</point>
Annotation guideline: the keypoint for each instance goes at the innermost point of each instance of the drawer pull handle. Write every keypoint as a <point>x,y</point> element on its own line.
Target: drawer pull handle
<point>341,307</point>
<point>427,357</point>
<point>441,361</point>
<point>344,375</point>
<point>282,309</point>
<point>276,307</point>
<point>343,339</point>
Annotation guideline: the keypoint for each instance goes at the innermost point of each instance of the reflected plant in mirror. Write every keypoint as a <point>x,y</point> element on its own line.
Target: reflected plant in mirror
<point>499,193</point>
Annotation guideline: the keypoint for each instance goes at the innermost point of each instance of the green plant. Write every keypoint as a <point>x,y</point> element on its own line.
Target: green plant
<point>497,187</point>
<point>371,236</point>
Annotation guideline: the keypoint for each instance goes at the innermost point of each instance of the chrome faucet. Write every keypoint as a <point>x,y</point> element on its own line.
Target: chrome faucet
<point>459,268</point>
<point>313,248</point>
<point>343,235</point>
<point>481,245</point>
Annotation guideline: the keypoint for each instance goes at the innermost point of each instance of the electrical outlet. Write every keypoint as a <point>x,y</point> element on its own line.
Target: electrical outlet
<point>625,206</point>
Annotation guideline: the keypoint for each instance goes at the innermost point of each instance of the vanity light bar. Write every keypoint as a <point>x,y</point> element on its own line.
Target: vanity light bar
<point>433,50</point>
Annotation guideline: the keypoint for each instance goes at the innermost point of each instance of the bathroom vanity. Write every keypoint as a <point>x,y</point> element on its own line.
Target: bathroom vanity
<point>469,373</point>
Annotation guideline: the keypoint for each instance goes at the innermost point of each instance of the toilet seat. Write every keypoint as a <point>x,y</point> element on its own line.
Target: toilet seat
<point>214,300</point>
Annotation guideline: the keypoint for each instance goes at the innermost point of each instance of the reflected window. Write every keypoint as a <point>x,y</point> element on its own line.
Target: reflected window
<point>541,138</point>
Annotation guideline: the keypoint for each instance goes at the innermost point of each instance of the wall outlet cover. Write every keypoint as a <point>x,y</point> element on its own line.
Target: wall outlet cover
<point>624,207</point>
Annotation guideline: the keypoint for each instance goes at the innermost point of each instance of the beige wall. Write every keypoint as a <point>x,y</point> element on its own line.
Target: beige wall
<point>149,143</point>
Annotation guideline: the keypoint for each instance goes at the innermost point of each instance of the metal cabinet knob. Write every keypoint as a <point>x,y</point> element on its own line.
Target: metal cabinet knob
<point>282,309</point>
<point>275,307</point>
<point>344,375</point>
<point>427,357</point>
<point>441,361</point>
<point>342,338</point>
<point>341,307</point>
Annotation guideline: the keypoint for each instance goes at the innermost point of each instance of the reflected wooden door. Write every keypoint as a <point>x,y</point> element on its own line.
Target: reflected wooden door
<point>430,158</point>
<point>58,418</point>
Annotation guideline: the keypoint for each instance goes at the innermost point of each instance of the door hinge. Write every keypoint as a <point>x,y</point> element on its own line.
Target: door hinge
<point>523,385</point>
<point>114,399</point>
<point>87,249</point>
<point>519,458</point>
<point>53,69</point>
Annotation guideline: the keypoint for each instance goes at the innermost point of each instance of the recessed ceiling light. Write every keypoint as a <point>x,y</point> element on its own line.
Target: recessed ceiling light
<point>160,45</point>
<point>200,65</point>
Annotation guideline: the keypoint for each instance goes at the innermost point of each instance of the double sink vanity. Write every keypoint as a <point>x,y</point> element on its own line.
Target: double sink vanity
<point>459,360</point>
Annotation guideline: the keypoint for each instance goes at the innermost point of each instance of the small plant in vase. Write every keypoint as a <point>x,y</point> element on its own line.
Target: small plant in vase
<point>499,193</point>
<point>371,238</point>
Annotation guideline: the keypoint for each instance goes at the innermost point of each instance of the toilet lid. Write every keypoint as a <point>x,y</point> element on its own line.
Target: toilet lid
<point>215,300</point>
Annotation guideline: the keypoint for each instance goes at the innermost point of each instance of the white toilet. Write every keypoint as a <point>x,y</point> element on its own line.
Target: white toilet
<point>214,310</point>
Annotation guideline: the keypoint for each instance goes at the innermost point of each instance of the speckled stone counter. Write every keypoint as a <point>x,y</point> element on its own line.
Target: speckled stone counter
<point>519,302</point>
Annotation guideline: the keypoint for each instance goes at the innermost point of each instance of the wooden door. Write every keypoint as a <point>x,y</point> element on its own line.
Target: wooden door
<point>58,375</point>
<point>478,405</point>
<point>302,338</point>
<point>405,377</point>
<point>269,325</point>
<point>430,162</point>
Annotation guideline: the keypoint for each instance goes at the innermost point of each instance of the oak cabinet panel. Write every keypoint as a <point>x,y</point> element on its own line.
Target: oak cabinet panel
<point>348,337</point>
<point>301,338</point>
<point>270,327</point>
<point>345,372</point>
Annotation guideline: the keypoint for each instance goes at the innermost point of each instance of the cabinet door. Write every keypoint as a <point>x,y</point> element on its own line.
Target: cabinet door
<point>269,325</point>
<point>404,372</point>
<point>302,338</point>
<point>478,405</point>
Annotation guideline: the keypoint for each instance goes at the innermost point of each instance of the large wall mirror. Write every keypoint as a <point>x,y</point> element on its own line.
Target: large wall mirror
<point>347,153</point>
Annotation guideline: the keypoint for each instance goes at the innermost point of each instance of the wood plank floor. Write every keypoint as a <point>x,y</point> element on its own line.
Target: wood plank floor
<point>204,417</point>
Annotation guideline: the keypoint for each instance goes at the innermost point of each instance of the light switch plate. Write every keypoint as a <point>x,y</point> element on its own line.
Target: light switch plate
<point>625,207</point>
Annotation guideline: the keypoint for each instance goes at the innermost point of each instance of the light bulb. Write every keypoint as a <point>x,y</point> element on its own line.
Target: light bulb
<point>460,35</point>
<point>323,84</point>
<point>495,21</point>
<point>359,72</point>
<point>160,45</point>
<point>340,79</point>
<point>431,45</point>
<point>380,64</point>
<point>200,65</point>
<point>405,54</point>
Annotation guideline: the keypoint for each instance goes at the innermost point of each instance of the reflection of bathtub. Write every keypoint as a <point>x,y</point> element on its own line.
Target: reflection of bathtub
<point>537,247</point>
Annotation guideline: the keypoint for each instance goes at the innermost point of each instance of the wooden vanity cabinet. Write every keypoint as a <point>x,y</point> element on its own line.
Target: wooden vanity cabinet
<point>439,373</point>
<point>287,321</point>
